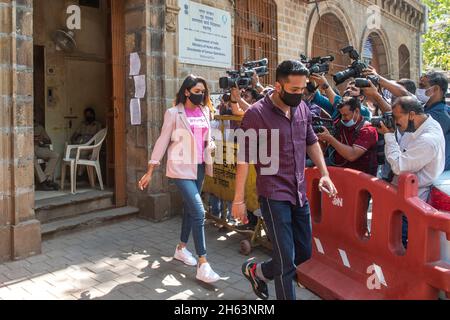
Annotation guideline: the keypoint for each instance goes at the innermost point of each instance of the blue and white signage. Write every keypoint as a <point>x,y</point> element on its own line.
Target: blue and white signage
<point>204,35</point>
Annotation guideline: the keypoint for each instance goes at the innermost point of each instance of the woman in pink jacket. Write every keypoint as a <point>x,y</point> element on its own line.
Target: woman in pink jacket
<point>186,136</point>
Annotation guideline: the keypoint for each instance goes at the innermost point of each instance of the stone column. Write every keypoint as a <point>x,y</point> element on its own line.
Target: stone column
<point>145,34</point>
<point>20,232</point>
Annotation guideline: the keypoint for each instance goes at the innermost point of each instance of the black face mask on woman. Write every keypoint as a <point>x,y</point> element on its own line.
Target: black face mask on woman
<point>291,99</point>
<point>197,99</point>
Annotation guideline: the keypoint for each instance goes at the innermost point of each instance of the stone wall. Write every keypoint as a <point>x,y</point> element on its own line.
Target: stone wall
<point>20,234</point>
<point>145,26</point>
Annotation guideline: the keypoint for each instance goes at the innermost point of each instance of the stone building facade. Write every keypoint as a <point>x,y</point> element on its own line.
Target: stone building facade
<point>150,28</point>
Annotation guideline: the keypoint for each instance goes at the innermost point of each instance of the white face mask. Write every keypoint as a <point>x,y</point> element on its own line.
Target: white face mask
<point>350,123</point>
<point>421,94</point>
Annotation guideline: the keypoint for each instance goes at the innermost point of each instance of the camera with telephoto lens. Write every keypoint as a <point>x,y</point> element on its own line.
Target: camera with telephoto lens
<point>365,83</point>
<point>242,78</point>
<point>319,123</point>
<point>317,64</point>
<point>355,70</point>
<point>387,118</point>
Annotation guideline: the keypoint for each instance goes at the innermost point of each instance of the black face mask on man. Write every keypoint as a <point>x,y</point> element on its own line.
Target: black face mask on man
<point>197,99</point>
<point>291,99</point>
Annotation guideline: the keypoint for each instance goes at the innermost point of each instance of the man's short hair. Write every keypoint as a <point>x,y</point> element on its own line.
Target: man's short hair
<point>438,79</point>
<point>254,93</point>
<point>353,83</point>
<point>353,102</point>
<point>311,87</point>
<point>291,68</point>
<point>409,85</point>
<point>409,104</point>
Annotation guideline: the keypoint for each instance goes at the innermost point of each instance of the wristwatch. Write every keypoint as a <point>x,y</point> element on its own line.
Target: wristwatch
<point>325,86</point>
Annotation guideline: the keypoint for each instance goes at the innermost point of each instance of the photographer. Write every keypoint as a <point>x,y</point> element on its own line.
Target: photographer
<point>251,96</point>
<point>310,93</point>
<point>421,150</point>
<point>355,140</point>
<point>397,89</point>
<point>377,99</point>
<point>256,84</point>
<point>238,105</point>
<point>330,104</point>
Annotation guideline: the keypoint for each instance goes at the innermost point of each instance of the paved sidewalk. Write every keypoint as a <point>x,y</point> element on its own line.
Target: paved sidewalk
<point>131,260</point>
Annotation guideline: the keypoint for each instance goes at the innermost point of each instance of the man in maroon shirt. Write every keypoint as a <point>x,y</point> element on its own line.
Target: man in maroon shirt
<point>355,140</point>
<point>286,121</point>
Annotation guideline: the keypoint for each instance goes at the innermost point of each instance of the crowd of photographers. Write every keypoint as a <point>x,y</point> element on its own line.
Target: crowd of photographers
<point>377,126</point>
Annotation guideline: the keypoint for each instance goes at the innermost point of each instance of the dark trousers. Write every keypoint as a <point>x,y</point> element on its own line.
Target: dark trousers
<point>289,230</point>
<point>405,231</point>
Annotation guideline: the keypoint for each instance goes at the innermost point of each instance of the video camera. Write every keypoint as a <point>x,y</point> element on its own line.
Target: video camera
<point>242,78</point>
<point>387,118</point>
<point>319,123</point>
<point>317,64</point>
<point>355,70</point>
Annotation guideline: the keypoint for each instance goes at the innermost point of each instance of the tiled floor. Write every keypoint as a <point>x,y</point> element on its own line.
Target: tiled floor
<point>129,260</point>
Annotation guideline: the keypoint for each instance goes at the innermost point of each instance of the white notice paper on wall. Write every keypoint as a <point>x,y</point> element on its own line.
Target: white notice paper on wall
<point>139,85</point>
<point>135,111</point>
<point>135,64</point>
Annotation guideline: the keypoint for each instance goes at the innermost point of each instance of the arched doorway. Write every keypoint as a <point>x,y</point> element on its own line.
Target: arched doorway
<point>374,53</point>
<point>329,38</point>
<point>404,62</point>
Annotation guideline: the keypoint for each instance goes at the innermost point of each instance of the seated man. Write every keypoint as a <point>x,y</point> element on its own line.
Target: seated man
<point>421,149</point>
<point>42,151</point>
<point>88,128</point>
<point>355,141</point>
<point>85,132</point>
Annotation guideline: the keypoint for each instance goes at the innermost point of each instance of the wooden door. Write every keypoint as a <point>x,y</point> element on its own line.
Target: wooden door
<point>116,158</point>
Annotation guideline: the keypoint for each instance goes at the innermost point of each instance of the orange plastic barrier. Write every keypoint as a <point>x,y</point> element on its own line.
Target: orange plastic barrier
<point>352,262</point>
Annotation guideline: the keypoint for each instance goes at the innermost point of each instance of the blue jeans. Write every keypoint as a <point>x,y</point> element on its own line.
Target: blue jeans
<point>289,231</point>
<point>194,212</point>
<point>217,207</point>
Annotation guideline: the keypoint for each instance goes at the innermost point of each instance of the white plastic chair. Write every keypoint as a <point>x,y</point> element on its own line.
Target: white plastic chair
<point>94,145</point>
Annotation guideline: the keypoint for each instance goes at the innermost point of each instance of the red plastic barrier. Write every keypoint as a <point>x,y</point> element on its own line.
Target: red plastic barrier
<point>440,200</point>
<point>350,263</point>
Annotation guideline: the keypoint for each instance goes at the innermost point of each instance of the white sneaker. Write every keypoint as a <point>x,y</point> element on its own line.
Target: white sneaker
<point>206,274</point>
<point>185,256</point>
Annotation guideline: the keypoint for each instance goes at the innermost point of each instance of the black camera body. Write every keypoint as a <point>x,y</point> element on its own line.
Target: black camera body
<point>355,70</point>
<point>387,118</point>
<point>317,64</point>
<point>319,123</point>
<point>242,78</point>
<point>365,83</point>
